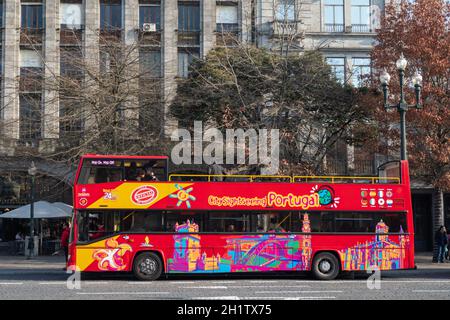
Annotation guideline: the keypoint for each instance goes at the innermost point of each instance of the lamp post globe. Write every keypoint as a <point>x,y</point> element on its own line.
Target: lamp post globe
<point>417,79</point>
<point>385,78</point>
<point>401,63</point>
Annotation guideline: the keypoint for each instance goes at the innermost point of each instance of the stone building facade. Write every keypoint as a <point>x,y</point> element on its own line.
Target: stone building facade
<point>344,30</point>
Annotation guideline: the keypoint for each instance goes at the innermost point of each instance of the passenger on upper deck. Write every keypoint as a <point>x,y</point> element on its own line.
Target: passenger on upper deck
<point>131,173</point>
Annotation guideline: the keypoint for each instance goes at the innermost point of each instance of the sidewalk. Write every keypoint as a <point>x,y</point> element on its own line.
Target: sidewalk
<point>56,263</point>
<point>39,264</point>
<point>424,260</point>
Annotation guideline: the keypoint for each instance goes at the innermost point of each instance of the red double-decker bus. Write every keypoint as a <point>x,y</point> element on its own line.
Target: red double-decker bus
<point>130,216</point>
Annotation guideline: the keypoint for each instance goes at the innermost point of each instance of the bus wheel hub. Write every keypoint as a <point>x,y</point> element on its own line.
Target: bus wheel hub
<point>148,266</point>
<point>325,266</point>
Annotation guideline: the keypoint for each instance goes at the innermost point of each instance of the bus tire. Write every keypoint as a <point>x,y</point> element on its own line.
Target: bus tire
<point>147,266</point>
<point>325,266</point>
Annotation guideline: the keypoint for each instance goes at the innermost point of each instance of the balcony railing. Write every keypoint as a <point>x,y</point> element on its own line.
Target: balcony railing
<point>331,27</point>
<point>70,36</point>
<point>150,38</point>
<point>342,167</point>
<point>361,28</point>
<point>110,34</point>
<point>31,36</point>
<point>30,80</point>
<point>364,167</point>
<point>188,38</point>
<point>227,34</point>
<point>285,28</point>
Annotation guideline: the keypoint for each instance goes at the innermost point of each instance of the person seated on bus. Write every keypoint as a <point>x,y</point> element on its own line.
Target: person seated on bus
<point>274,226</point>
<point>150,176</point>
<point>101,175</point>
<point>131,173</point>
<point>115,175</point>
<point>231,228</point>
<point>100,233</point>
<point>141,175</point>
<point>260,229</point>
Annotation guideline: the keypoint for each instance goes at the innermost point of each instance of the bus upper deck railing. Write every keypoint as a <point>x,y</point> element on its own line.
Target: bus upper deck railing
<point>289,179</point>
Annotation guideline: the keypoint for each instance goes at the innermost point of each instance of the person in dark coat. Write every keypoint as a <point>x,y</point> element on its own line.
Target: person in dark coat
<point>441,240</point>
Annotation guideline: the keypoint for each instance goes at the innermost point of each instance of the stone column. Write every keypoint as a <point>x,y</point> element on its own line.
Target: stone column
<point>11,69</point>
<point>91,45</point>
<point>50,119</point>
<point>169,53</point>
<point>347,15</point>
<point>245,20</point>
<point>208,24</point>
<point>131,30</point>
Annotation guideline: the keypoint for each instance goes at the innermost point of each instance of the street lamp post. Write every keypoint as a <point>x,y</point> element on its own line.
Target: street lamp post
<point>402,106</point>
<point>32,172</point>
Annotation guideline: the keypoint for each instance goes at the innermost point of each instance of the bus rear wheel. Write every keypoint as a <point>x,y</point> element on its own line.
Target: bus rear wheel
<point>147,266</point>
<point>325,266</point>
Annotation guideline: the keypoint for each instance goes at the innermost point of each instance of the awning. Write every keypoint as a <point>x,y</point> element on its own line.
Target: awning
<point>42,210</point>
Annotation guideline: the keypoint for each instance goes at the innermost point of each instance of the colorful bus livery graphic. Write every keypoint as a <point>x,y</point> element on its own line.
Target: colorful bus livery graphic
<point>266,252</point>
<point>325,225</point>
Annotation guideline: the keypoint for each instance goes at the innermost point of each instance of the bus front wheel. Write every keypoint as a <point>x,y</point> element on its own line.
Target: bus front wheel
<point>147,266</point>
<point>325,266</point>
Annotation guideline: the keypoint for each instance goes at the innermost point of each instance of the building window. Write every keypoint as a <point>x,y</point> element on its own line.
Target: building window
<point>1,14</point>
<point>71,15</point>
<point>334,15</point>
<point>188,24</point>
<point>32,16</point>
<point>227,18</point>
<point>150,12</point>
<point>70,121</point>
<point>338,68</point>
<point>110,15</point>
<point>150,63</point>
<point>185,58</point>
<point>30,116</point>
<point>30,71</point>
<point>285,10</point>
<point>361,71</point>
<point>361,16</point>
<point>189,16</point>
<point>70,62</point>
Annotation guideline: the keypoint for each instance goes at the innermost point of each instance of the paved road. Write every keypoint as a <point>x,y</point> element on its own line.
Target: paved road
<point>46,280</point>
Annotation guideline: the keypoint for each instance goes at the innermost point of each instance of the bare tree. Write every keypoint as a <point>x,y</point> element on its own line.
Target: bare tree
<point>252,88</point>
<point>108,102</point>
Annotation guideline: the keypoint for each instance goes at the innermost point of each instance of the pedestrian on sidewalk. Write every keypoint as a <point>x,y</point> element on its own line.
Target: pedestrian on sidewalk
<point>448,247</point>
<point>65,239</point>
<point>441,242</point>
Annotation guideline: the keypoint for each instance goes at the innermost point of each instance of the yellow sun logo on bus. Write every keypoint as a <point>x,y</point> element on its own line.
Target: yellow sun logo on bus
<point>183,196</point>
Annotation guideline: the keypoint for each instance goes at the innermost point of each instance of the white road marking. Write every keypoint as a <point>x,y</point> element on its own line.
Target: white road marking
<point>364,281</point>
<point>11,283</point>
<point>314,291</point>
<point>263,281</point>
<point>120,293</point>
<point>237,287</point>
<point>65,282</point>
<point>225,281</point>
<point>217,298</point>
<point>261,298</point>
<point>287,298</point>
<point>432,291</point>
<point>205,287</point>
<point>174,282</point>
